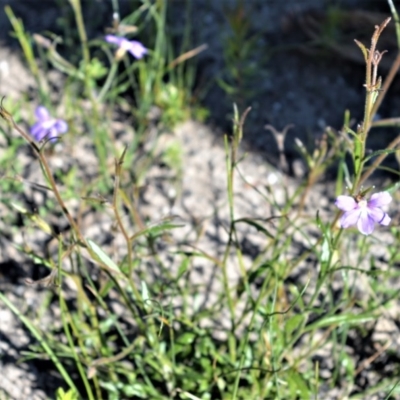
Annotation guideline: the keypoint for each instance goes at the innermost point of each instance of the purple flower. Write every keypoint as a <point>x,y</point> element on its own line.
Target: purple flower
<point>134,47</point>
<point>46,126</point>
<point>365,214</point>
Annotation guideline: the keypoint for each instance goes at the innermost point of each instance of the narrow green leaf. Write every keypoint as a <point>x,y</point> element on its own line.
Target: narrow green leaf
<point>256,225</point>
<point>103,257</point>
<point>186,338</point>
<point>298,386</point>
<point>363,49</point>
<point>357,155</point>
<point>292,323</point>
<point>394,187</point>
<point>341,319</point>
<point>225,86</point>
<point>156,230</point>
<point>379,152</point>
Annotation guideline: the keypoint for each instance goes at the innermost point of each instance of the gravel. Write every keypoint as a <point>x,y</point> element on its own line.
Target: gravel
<point>294,88</point>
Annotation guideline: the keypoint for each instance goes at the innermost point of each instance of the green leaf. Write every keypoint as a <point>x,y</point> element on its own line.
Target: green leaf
<point>156,230</point>
<point>35,218</point>
<point>96,69</point>
<point>325,250</point>
<point>145,291</point>
<point>298,387</point>
<point>393,187</point>
<point>226,87</point>
<point>363,49</point>
<point>342,177</point>
<point>251,277</point>
<point>357,155</point>
<point>340,319</point>
<point>256,225</point>
<point>103,257</point>
<point>186,338</point>
<point>70,395</point>
<point>379,152</point>
<point>348,363</point>
<point>183,268</point>
<point>292,323</point>
<point>145,296</point>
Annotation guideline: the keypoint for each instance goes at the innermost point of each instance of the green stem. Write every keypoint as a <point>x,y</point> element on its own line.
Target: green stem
<point>82,372</point>
<point>230,173</point>
<point>108,82</point>
<point>4,114</point>
<point>35,332</point>
<point>246,339</point>
<point>76,5</point>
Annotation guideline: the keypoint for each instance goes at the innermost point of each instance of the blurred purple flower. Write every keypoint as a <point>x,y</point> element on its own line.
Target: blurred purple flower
<point>133,46</point>
<point>365,214</point>
<point>46,126</point>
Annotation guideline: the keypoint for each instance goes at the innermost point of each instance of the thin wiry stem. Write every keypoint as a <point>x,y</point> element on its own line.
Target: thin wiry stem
<point>8,117</point>
<point>379,160</point>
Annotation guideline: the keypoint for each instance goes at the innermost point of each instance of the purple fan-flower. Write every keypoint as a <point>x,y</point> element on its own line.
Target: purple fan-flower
<point>46,126</point>
<point>132,46</point>
<point>364,213</point>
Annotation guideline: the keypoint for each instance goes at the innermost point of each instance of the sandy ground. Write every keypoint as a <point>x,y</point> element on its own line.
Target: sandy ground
<point>294,87</point>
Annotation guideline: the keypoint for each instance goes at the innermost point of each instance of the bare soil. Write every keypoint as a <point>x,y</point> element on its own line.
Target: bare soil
<point>308,86</point>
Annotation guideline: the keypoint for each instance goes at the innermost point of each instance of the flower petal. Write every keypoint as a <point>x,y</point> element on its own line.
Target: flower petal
<point>61,126</point>
<point>114,39</point>
<point>346,203</point>
<point>52,134</point>
<point>379,199</point>
<point>42,113</point>
<point>350,218</point>
<point>376,214</point>
<point>386,220</point>
<point>136,49</point>
<point>38,131</point>
<point>365,224</point>
<point>49,123</point>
